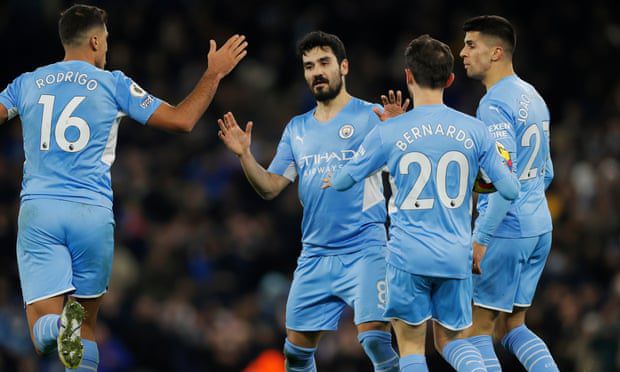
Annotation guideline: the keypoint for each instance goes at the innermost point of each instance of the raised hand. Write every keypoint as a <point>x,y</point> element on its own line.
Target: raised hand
<point>392,105</point>
<point>223,60</point>
<point>237,140</point>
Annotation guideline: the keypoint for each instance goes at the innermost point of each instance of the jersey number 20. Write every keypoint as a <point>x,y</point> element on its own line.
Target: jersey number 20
<point>413,201</point>
<point>65,120</point>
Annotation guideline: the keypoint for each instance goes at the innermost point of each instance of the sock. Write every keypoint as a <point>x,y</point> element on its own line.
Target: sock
<point>413,363</point>
<point>378,347</point>
<point>484,344</point>
<point>463,356</point>
<point>90,361</point>
<point>299,359</point>
<point>45,331</point>
<point>529,349</point>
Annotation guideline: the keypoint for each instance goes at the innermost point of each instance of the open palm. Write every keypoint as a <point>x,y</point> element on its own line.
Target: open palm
<point>237,140</point>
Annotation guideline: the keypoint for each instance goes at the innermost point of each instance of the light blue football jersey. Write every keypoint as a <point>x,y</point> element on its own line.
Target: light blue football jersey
<point>333,222</point>
<point>433,154</point>
<point>517,116</point>
<point>70,112</point>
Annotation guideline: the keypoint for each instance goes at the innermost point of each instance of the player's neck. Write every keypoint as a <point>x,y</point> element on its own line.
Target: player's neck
<point>497,74</point>
<point>425,97</point>
<point>327,110</point>
<point>79,55</point>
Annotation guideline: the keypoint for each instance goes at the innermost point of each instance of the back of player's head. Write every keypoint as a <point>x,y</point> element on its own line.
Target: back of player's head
<point>320,39</point>
<point>77,20</point>
<point>496,26</point>
<point>430,61</point>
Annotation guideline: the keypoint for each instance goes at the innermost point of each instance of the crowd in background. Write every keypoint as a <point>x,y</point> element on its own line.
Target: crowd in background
<point>203,265</point>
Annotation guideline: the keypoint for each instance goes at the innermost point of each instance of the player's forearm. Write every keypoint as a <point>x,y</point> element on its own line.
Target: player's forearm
<point>549,173</point>
<point>261,180</point>
<point>487,223</point>
<point>342,181</point>
<point>195,104</point>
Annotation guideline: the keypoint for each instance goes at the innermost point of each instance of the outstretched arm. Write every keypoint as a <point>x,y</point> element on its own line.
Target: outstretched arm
<point>268,185</point>
<point>183,117</point>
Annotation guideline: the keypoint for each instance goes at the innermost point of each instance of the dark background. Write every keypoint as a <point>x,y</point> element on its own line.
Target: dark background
<point>202,264</point>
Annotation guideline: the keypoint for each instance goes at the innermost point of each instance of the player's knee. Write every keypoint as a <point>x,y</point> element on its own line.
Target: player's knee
<point>297,356</point>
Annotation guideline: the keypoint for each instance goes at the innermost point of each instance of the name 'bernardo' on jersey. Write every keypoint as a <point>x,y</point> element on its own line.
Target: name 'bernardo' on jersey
<point>424,130</point>
<point>69,77</point>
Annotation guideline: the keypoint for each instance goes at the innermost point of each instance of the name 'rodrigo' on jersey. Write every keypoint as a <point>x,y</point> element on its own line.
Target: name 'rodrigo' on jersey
<point>70,112</point>
<point>517,117</point>
<point>333,222</point>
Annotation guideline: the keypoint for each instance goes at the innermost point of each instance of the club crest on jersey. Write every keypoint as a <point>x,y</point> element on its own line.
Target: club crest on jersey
<point>346,131</point>
<point>136,91</point>
<point>501,150</point>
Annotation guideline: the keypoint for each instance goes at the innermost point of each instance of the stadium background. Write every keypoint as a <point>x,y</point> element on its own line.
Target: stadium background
<point>203,265</point>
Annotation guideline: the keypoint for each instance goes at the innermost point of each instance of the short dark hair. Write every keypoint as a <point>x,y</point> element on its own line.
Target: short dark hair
<point>496,26</point>
<point>321,39</point>
<point>430,61</point>
<point>78,19</point>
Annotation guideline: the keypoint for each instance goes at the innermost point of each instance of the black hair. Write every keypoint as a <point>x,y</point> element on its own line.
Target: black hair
<point>321,39</point>
<point>78,19</point>
<point>430,61</point>
<point>496,26</point>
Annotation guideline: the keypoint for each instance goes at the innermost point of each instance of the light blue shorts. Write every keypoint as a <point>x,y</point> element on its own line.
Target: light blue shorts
<point>414,299</point>
<point>64,247</point>
<point>511,269</point>
<point>323,285</point>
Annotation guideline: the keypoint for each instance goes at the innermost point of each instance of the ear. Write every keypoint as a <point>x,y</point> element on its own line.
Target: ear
<point>497,54</point>
<point>409,76</point>
<point>344,67</point>
<point>450,80</point>
<point>94,43</point>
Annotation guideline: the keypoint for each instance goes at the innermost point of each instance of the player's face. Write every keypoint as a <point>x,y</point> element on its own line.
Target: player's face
<point>476,55</point>
<point>323,74</point>
<point>102,51</point>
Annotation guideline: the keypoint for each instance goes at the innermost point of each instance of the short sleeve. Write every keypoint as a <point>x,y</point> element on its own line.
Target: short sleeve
<point>133,100</point>
<point>9,98</point>
<point>283,164</point>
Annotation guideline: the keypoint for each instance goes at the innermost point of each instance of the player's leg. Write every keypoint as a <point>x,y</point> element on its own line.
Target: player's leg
<point>44,323</point>
<point>480,334</point>
<point>366,271</point>
<point>310,309</point>
<point>408,305</point>
<point>90,360</point>
<point>91,243</point>
<point>411,344</point>
<point>452,315</point>
<point>494,292</point>
<point>45,270</point>
<point>299,349</point>
<point>530,349</point>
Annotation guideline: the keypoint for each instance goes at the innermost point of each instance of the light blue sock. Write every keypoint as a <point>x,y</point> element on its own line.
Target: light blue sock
<point>299,359</point>
<point>413,363</point>
<point>45,331</point>
<point>484,344</point>
<point>529,349</point>
<point>378,347</point>
<point>463,356</point>
<point>90,362</point>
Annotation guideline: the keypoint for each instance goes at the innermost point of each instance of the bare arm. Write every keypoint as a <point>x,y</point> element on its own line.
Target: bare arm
<point>268,185</point>
<point>183,117</point>
<point>4,114</point>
